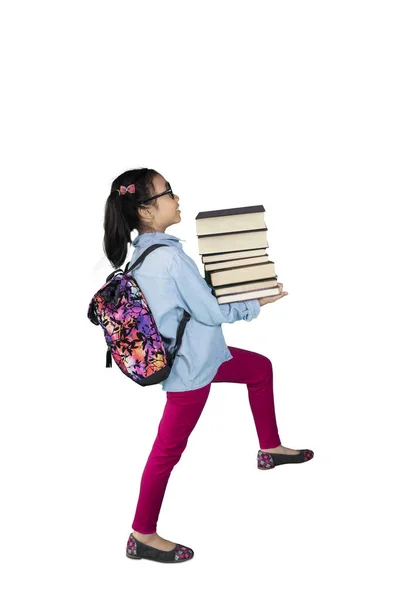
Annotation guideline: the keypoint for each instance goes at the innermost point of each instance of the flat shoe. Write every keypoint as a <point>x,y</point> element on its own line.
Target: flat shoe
<point>137,549</point>
<point>269,460</point>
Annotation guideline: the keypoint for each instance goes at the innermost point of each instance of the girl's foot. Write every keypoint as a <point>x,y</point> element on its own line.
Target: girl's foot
<point>280,450</point>
<point>154,540</point>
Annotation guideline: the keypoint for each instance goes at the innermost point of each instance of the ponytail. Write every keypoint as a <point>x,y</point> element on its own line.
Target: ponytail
<point>121,214</point>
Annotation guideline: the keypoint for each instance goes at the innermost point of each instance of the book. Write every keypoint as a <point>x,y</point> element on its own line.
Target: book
<point>237,254</point>
<point>261,270</point>
<point>243,218</point>
<point>225,264</point>
<point>245,287</point>
<point>227,242</point>
<point>232,245</point>
<point>240,297</point>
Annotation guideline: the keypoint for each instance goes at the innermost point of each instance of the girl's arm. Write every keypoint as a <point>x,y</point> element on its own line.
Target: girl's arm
<point>195,296</point>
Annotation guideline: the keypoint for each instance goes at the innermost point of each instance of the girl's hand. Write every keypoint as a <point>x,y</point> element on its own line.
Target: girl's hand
<point>269,299</point>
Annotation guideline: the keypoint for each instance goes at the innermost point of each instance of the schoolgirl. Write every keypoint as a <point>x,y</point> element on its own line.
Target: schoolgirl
<point>142,199</point>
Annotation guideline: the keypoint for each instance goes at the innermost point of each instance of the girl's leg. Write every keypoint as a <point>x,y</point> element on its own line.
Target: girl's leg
<point>255,370</point>
<point>181,413</point>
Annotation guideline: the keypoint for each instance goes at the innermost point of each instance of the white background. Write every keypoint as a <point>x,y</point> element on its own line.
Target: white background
<point>293,105</point>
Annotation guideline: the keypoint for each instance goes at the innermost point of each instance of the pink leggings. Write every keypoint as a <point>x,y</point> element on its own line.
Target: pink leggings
<point>181,413</point>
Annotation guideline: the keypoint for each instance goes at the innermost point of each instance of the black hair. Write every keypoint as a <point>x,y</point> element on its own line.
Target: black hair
<point>121,214</point>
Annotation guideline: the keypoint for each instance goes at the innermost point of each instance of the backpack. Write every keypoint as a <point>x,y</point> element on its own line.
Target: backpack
<point>132,337</point>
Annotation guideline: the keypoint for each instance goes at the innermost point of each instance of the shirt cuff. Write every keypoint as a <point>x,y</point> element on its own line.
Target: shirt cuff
<point>254,306</point>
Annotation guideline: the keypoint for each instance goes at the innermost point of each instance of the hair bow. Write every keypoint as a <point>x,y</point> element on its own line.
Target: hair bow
<point>131,189</point>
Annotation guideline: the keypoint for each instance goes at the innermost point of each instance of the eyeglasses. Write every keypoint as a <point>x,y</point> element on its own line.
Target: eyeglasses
<point>167,191</point>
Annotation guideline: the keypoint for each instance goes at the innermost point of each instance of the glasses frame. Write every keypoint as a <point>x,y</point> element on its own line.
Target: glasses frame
<point>168,191</point>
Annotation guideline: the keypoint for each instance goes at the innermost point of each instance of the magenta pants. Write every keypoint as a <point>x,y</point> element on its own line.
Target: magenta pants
<point>181,413</point>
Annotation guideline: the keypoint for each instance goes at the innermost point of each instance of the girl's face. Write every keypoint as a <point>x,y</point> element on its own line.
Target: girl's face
<point>167,213</point>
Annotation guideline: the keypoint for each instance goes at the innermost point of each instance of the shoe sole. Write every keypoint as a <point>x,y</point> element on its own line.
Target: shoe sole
<point>274,466</point>
<point>171,562</point>
<point>268,469</point>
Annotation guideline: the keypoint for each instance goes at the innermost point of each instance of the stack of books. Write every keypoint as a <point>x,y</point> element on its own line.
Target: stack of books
<point>232,245</point>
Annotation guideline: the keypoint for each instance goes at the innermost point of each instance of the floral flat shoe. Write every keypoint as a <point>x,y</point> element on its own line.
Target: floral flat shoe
<point>136,549</point>
<point>269,460</point>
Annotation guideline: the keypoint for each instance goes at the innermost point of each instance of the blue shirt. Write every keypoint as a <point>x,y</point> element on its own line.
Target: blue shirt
<point>171,283</point>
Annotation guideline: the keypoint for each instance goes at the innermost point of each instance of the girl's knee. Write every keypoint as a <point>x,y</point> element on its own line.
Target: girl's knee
<point>264,365</point>
<point>264,362</point>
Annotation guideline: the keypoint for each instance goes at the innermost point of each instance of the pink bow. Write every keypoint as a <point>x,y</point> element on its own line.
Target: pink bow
<point>131,189</point>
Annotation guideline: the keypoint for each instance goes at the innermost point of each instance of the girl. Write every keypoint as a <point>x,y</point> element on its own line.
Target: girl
<point>142,199</point>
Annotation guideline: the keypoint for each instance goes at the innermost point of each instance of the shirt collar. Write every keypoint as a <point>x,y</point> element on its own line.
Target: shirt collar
<point>155,237</point>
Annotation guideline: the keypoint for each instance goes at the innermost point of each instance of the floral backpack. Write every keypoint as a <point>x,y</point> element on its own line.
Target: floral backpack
<point>130,331</point>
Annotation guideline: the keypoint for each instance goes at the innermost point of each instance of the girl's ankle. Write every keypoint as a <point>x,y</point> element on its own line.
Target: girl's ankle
<point>146,536</point>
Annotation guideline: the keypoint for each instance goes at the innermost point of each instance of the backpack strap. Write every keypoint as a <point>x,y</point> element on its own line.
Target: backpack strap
<point>142,257</point>
<point>186,315</point>
<point>179,335</point>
